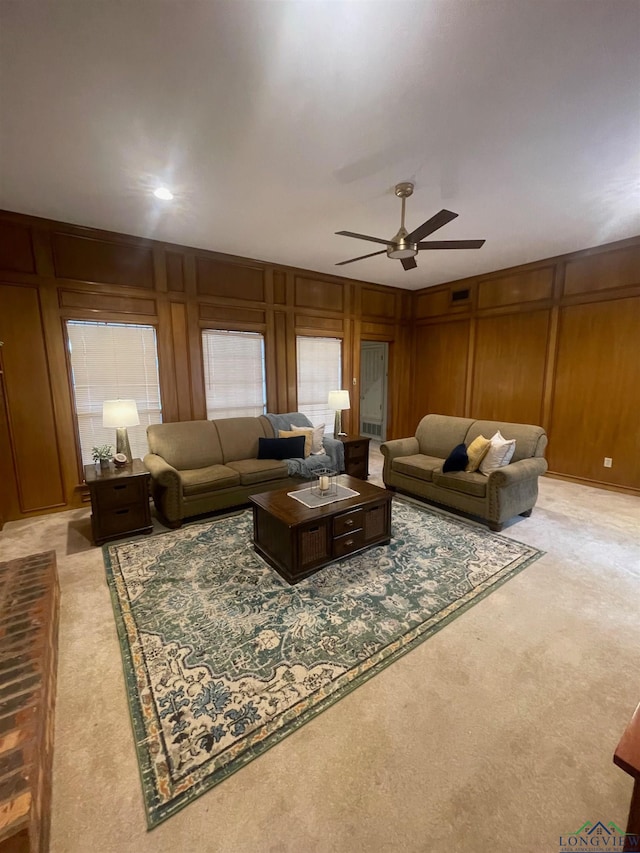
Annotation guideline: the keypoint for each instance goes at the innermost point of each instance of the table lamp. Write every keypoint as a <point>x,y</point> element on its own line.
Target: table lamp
<point>120,414</point>
<point>338,400</point>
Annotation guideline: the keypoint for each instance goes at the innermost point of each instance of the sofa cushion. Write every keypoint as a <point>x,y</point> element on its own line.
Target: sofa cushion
<point>198,481</point>
<point>419,466</point>
<point>457,460</point>
<point>476,452</point>
<point>307,434</point>
<point>528,437</point>
<point>259,470</point>
<point>186,445</point>
<point>239,437</point>
<point>460,481</point>
<point>498,455</point>
<point>282,448</point>
<point>437,434</point>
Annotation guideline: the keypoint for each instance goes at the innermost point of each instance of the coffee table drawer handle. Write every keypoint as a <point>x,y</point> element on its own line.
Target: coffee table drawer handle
<point>349,543</point>
<point>348,522</point>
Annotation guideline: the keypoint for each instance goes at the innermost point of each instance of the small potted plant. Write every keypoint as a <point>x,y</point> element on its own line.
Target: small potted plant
<point>102,454</point>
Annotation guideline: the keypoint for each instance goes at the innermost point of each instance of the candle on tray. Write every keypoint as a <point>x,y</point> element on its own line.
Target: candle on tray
<point>324,483</point>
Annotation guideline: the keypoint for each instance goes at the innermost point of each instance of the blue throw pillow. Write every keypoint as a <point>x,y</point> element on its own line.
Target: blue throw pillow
<point>281,448</point>
<point>457,460</point>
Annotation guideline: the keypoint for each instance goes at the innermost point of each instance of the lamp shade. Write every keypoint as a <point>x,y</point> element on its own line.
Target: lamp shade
<point>339,400</point>
<point>119,413</point>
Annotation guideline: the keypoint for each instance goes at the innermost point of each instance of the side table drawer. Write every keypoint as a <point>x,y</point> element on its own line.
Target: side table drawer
<point>120,493</point>
<point>359,469</point>
<point>348,522</point>
<point>123,520</point>
<point>358,450</point>
<point>348,543</point>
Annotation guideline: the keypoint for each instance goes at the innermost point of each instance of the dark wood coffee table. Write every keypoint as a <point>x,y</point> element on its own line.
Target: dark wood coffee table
<point>297,540</point>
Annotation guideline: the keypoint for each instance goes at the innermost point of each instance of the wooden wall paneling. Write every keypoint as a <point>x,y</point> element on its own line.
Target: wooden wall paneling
<point>279,360</point>
<point>90,259</point>
<point>527,286</point>
<point>291,358</point>
<point>174,271</point>
<point>9,502</point>
<point>271,362</point>
<point>237,281</point>
<point>351,373</point>
<point>441,368</point>
<point>93,303</point>
<point>224,316</point>
<point>181,359</point>
<point>43,252</point>
<point>329,327</point>
<point>16,248</point>
<point>378,303</point>
<point>509,367</point>
<point>59,365</point>
<point>279,287</point>
<point>32,425</point>
<point>322,295</point>
<point>433,303</point>
<point>602,271</point>
<point>471,348</point>
<point>196,363</point>
<point>595,401</point>
<point>166,363</point>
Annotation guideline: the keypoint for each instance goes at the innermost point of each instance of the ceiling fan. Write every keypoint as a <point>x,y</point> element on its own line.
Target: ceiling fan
<point>405,246</point>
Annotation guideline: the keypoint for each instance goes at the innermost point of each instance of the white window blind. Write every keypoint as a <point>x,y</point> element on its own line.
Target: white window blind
<point>319,363</point>
<point>111,361</point>
<point>234,374</point>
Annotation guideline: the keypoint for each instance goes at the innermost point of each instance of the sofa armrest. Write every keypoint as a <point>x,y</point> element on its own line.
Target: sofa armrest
<point>525,469</point>
<point>163,473</point>
<point>400,447</point>
<point>334,449</point>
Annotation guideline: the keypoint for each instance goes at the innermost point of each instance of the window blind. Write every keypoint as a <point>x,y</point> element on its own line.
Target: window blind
<point>319,366</point>
<point>111,361</point>
<point>234,373</point>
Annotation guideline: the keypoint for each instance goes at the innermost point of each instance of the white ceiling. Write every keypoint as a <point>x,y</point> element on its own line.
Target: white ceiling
<point>278,123</point>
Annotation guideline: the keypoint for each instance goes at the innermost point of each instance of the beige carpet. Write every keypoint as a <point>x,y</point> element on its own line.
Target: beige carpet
<point>496,734</point>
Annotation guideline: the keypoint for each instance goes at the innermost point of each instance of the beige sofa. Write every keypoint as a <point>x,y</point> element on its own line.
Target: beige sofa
<point>202,466</point>
<point>414,465</point>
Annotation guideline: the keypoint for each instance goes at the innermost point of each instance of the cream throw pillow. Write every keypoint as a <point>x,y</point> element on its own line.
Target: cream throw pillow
<point>317,434</point>
<point>284,433</point>
<point>498,455</point>
<point>476,452</point>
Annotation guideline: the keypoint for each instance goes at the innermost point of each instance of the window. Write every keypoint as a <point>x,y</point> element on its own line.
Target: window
<point>111,361</point>
<point>234,377</point>
<point>319,371</point>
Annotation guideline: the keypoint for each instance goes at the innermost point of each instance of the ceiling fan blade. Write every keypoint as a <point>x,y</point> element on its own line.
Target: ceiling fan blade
<point>431,225</point>
<point>365,237</point>
<point>361,258</point>
<point>452,244</point>
<point>408,263</point>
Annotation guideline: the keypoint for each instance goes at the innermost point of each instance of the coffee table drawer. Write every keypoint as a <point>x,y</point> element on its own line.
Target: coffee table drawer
<point>348,543</point>
<point>347,522</point>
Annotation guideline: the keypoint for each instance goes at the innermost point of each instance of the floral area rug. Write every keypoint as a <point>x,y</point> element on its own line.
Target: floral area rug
<point>222,658</point>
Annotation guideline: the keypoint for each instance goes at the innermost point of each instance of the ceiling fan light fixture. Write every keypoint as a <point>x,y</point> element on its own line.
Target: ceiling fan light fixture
<point>402,250</point>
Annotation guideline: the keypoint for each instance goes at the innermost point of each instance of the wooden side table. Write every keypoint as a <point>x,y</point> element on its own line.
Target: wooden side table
<point>627,756</point>
<point>119,500</point>
<point>356,455</point>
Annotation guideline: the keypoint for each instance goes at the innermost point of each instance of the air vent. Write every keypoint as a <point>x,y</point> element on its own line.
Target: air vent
<point>460,295</point>
<point>371,429</point>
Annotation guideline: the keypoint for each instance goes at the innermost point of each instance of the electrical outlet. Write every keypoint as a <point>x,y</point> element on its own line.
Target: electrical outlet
<point>608,462</point>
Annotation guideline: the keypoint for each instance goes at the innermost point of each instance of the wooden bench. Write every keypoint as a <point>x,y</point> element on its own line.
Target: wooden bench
<point>29,615</point>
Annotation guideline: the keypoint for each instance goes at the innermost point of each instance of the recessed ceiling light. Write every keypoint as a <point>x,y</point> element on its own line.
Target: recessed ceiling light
<point>163,193</point>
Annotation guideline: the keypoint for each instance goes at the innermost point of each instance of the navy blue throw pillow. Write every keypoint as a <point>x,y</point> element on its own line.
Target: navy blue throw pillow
<point>281,448</point>
<point>457,460</point>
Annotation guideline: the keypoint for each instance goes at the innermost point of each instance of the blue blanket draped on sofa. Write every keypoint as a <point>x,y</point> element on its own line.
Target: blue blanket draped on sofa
<point>333,458</point>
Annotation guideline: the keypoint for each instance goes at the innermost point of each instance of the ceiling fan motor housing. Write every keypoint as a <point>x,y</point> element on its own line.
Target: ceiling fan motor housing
<point>400,246</point>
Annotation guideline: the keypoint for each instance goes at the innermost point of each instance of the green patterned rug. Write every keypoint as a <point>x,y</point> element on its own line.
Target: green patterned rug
<point>223,658</point>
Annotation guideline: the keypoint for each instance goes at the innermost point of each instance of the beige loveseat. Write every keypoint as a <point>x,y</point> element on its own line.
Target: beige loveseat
<point>414,465</point>
<point>202,466</point>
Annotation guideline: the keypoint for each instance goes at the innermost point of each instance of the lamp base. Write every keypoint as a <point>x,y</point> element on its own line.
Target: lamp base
<point>122,442</point>
<point>337,425</point>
